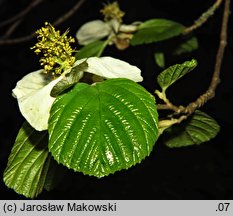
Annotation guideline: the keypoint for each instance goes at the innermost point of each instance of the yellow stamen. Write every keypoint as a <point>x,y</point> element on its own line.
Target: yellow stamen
<point>112,11</point>
<point>55,50</point>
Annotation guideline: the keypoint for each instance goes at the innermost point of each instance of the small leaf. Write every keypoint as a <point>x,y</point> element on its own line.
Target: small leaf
<point>188,46</point>
<point>69,80</point>
<point>198,129</point>
<point>159,59</point>
<point>90,50</point>
<point>28,162</point>
<point>175,72</point>
<point>156,30</point>
<point>102,128</point>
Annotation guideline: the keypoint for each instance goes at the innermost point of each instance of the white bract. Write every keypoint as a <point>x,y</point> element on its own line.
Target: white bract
<point>33,90</point>
<point>91,31</point>
<point>97,29</point>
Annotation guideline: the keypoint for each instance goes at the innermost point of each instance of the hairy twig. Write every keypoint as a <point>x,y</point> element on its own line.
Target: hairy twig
<point>203,18</point>
<point>167,104</point>
<point>210,93</point>
<point>22,13</point>
<point>60,20</point>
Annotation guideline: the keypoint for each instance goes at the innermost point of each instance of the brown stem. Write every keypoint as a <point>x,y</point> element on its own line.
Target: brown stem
<point>170,106</point>
<point>210,93</point>
<point>203,18</point>
<point>56,23</point>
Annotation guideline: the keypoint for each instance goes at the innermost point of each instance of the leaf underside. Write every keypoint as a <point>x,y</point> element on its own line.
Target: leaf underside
<point>200,128</point>
<point>69,80</point>
<point>156,30</point>
<point>102,128</point>
<point>28,162</point>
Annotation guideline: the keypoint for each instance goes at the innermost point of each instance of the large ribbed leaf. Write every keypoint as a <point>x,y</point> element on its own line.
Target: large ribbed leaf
<point>28,162</point>
<point>198,129</point>
<point>102,128</point>
<point>175,72</point>
<point>156,30</point>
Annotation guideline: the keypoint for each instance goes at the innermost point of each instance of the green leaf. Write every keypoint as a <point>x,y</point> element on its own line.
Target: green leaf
<point>90,50</point>
<point>198,129</point>
<point>156,30</point>
<point>28,162</point>
<point>159,59</point>
<point>187,46</point>
<point>69,80</point>
<point>99,129</point>
<point>175,72</point>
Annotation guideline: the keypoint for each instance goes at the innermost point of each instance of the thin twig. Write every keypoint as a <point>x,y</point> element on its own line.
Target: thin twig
<point>167,107</point>
<point>210,93</point>
<point>69,13</point>
<point>18,40</point>
<point>199,22</point>
<point>11,29</point>
<point>203,18</point>
<point>60,20</point>
<point>21,13</point>
<point>167,104</point>
<point>170,106</point>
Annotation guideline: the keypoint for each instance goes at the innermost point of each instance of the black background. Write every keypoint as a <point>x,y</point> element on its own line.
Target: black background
<point>197,172</point>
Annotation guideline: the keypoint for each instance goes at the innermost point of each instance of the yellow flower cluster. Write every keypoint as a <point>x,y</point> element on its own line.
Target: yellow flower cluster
<point>55,50</point>
<point>112,11</point>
